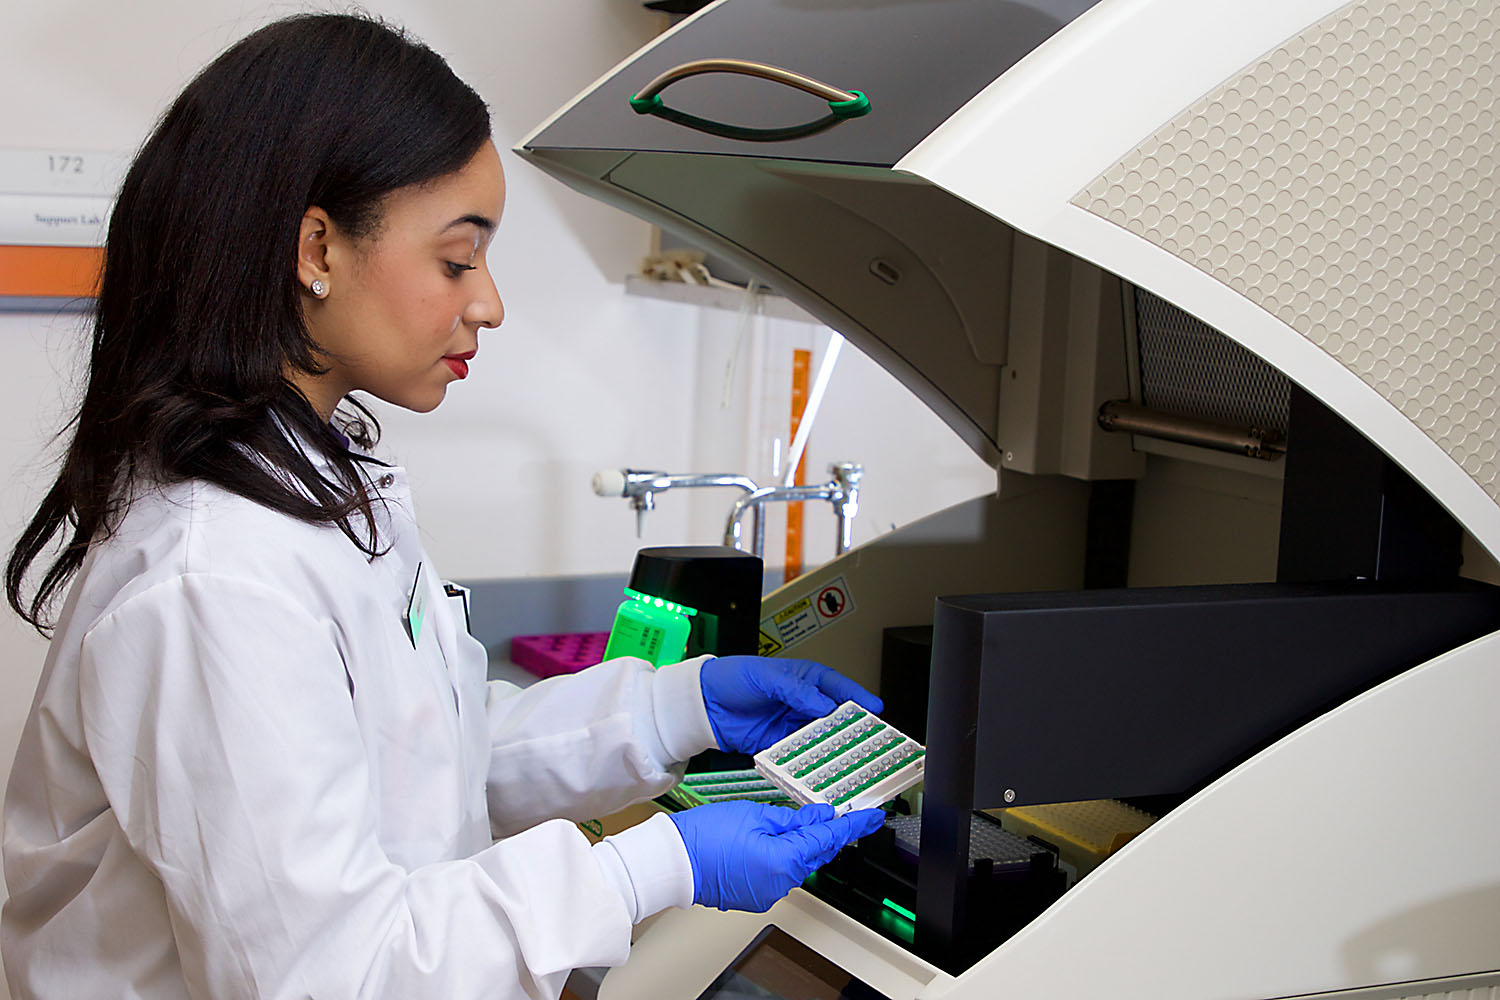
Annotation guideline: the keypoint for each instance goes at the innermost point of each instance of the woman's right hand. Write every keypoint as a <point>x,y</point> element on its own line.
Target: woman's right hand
<point>746,856</point>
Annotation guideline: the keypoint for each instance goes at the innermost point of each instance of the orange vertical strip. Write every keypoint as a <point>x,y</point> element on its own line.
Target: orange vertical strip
<point>801,377</point>
<point>72,272</point>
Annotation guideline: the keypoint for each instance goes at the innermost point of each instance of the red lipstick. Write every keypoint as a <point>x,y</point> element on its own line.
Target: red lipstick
<point>459,363</point>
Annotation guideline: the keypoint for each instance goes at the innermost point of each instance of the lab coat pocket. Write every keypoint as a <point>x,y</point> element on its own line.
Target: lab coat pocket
<point>415,749</point>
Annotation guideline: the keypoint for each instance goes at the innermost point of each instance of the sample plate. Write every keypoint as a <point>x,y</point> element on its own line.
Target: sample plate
<point>849,760</point>
<point>728,786</point>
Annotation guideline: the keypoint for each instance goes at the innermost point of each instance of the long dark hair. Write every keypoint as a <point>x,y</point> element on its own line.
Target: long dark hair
<point>198,325</point>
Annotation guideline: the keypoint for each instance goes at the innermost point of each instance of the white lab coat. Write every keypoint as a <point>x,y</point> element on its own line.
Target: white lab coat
<point>240,779</point>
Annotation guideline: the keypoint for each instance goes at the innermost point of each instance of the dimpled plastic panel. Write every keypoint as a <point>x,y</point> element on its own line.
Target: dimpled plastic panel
<point>1345,183</point>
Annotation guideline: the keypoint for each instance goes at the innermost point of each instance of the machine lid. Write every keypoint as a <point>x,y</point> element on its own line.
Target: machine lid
<point>917,61</point>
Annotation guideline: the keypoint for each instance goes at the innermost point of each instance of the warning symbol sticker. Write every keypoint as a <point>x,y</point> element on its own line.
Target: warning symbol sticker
<point>805,616</point>
<point>768,646</point>
<point>831,602</point>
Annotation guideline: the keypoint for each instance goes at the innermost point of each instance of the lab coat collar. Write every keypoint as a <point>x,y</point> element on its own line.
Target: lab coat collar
<point>382,474</point>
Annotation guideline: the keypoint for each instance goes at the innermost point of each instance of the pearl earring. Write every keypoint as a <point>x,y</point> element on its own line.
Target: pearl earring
<point>318,288</point>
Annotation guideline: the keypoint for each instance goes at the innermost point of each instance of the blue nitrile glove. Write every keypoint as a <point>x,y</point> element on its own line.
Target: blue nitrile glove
<point>746,855</point>
<point>753,701</point>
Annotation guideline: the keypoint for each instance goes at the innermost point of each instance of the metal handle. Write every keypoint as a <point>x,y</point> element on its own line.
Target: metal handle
<point>1131,418</point>
<point>843,103</point>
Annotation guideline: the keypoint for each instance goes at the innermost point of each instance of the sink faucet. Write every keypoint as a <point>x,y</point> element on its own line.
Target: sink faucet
<point>842,491</point>
<point>640,487</point>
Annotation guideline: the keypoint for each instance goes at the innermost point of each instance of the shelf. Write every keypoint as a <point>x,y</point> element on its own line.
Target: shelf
<point>716,297</point>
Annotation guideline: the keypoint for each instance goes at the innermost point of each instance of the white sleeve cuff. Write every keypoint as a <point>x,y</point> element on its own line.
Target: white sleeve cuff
<point>648,865</point>
<point>677,707</point>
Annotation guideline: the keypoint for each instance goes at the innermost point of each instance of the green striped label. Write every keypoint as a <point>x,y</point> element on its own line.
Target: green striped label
<point>720,778</point>
<point>909,757</point>
<point>834,754</point>
<point>850,768</point>
<point>796,752</point>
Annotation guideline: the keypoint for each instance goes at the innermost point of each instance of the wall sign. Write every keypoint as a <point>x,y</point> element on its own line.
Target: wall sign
<point>54,208</point>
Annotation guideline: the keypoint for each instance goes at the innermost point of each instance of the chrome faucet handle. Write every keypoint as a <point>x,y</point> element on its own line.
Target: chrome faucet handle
<point>846,478</point>
<point>609,483</point>
<point>635,485</point>
<point>627,482</point>
<point>641,503</point>
<point>639,486</point>
<point>847,474</point>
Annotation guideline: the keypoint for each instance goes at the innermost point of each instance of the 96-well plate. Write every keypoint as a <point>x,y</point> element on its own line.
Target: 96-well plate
<point>849,760</point>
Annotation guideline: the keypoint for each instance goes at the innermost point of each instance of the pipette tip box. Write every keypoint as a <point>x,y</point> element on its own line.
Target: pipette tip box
<point>849,760</point>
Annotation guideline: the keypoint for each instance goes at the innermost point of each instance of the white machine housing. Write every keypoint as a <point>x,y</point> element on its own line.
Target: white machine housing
<point>1314,179</point>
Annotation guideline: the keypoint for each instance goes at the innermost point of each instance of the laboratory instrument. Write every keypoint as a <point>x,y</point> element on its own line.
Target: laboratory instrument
<point>1212,287</point>
<point>684,601</point>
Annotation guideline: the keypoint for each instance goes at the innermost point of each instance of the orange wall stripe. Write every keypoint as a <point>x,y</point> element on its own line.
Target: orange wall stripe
<point>50,271</point>
<point>801,372</point>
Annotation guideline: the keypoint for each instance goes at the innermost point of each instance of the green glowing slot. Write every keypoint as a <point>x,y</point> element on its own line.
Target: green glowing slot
<point>910,757</point>
<point>672,606</point>
<point>831,755</point>
<point>849,769</point>
<point>900,909</point>
<point>796,752</point>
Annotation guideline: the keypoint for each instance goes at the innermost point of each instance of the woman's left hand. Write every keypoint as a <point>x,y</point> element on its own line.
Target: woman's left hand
<point>754,701</point>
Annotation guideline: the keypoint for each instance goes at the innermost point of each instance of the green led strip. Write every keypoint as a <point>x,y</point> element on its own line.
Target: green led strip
<point>849,769</point>
<point>799,751</point>
<point>910,757</point>
<point>844,748</point>
<point>660,602</point>
<point>900,909</point>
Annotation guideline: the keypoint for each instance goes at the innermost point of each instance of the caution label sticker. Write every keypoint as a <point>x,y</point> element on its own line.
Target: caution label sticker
<point>805,616</point>
<point>832,601</point>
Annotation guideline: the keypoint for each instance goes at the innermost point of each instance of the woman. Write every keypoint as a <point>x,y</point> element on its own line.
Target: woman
<point>263,759</point>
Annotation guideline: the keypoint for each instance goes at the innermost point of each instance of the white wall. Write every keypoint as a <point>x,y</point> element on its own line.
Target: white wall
<point>580,378</point>
<point>913,463</point>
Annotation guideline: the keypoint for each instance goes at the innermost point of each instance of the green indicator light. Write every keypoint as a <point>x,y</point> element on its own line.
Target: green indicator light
<point>900,909</point>
<point>681,609</point>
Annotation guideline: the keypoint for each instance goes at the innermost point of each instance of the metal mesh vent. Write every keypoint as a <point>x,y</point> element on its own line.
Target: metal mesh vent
<point>1189,369</point>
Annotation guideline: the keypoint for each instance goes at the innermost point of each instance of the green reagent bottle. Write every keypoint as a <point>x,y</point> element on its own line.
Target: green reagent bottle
<point>652,628</point>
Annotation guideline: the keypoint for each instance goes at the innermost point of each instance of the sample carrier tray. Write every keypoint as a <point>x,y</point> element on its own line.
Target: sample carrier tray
<point>849,760</point>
